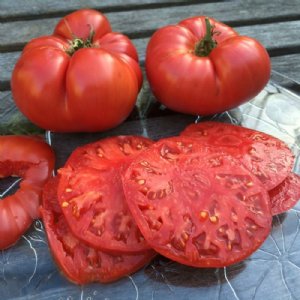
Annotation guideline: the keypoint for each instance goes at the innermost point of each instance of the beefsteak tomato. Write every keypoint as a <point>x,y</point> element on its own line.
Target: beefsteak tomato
<point>201,66</point>
<point>32,160</point>
<point>82,78</point>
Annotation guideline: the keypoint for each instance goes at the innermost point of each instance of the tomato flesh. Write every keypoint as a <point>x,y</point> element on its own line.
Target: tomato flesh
<point>91,195</point>
<point>79,262</point>
<point>265,156</point>
<point>195,205</point>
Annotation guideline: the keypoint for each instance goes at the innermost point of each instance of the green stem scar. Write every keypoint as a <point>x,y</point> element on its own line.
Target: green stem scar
<point>207,43</point>
<point>78,43</point>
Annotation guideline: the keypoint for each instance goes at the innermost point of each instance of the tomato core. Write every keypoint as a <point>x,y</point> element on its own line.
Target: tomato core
<point>207,43</point>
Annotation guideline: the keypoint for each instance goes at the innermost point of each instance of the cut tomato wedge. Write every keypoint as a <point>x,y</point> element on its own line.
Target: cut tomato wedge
<point>284,196</point>
<point>195,205</point>
<point>91,195</point>
<point>82,264</point>
<point>265,156</point>
<point>33,160</point>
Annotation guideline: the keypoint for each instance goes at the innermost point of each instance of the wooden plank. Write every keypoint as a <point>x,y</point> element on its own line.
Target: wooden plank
<point>141,23</point>
<point>7,63</point>
<point>12,121</point>
<point>285,65</point>
<point>270,35</point>
<point>14,10</point>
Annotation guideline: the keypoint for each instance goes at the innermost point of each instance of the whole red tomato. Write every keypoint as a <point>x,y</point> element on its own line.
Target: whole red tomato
<point>82,78</point>
<point>201,66</point>
<point>32,160</point>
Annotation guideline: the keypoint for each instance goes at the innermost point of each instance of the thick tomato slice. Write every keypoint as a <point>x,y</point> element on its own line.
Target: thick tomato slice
<point>265,156</point>
<point>79,262</point>
<point>33,160</point>
<point>285,195</point>
<point>196,206</point>
<point>91,195</point>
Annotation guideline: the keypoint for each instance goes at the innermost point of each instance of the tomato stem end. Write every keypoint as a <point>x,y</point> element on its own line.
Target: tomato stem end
<point>78,43</point>
<point>207,43</point>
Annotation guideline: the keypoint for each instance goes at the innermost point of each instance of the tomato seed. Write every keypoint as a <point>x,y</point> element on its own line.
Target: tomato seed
<point>185,236</point>
<point>141,181</point>
<point>203,215</point>
<point>65,204</point>
<point>214,219</point>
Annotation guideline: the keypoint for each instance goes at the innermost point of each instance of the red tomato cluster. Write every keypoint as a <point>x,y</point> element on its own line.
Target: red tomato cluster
<point>84,77</point>
<point>205,199</point>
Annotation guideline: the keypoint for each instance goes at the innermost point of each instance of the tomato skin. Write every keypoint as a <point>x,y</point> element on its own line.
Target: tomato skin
<point>233,73</point>
<point>33,160</point>
<point>93,89</point>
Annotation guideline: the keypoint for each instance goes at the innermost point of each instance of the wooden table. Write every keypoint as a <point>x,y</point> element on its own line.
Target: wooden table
<point>276,24</point>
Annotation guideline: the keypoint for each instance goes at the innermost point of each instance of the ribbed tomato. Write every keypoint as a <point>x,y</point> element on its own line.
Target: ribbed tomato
<point>201,66</point>
<point>82,78</point>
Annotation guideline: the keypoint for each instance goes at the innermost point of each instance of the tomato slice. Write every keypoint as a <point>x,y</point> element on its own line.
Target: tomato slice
<point>91,194</point>
<point>33,160</point>
<point>285,195</point>
<point>265,156</point>
<point>82,264</point>
<point>196,206</point>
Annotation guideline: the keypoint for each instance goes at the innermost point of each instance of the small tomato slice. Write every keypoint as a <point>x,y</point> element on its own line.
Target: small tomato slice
<point>32,160</point>
<point>91,195</point>
<point>196,206</point>
<point>285,195</point>
<point>82,264</point>
<point>267,157</point>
